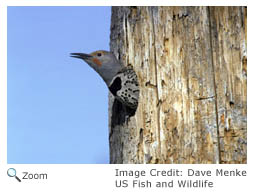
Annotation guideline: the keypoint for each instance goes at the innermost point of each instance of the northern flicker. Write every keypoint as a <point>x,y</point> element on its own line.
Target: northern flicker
<point>121,81</point>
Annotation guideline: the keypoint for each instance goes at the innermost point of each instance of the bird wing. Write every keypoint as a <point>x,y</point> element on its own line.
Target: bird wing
<point>125,87</point>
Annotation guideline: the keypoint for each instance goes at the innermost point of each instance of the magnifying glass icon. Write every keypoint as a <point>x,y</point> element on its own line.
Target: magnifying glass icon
<point>11,172</point>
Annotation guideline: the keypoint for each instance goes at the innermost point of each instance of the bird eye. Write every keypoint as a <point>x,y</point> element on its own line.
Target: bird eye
<point>99,54</point>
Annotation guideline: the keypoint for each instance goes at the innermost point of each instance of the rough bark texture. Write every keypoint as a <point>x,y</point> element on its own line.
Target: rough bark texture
<point>192,67</point>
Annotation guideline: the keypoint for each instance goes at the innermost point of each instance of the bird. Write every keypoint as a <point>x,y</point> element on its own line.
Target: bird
<point>121,80</point>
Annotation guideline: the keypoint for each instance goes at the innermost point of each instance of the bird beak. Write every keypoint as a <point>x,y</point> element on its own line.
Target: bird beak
<point>81,56</point>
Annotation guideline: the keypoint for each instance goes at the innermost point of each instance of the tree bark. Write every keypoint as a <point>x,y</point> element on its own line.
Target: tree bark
<point>191,64</point>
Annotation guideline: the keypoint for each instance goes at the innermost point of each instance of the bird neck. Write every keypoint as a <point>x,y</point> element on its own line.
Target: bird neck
<point>108,73</point>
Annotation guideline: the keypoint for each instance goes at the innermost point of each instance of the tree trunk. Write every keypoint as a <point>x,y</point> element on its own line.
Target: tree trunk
<point>192,69</point>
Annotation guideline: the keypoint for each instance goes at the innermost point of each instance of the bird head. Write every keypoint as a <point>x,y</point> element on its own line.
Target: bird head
<point>103,62</point>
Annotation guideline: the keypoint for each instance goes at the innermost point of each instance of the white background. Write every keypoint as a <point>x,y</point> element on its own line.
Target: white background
<point>101,178</point>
